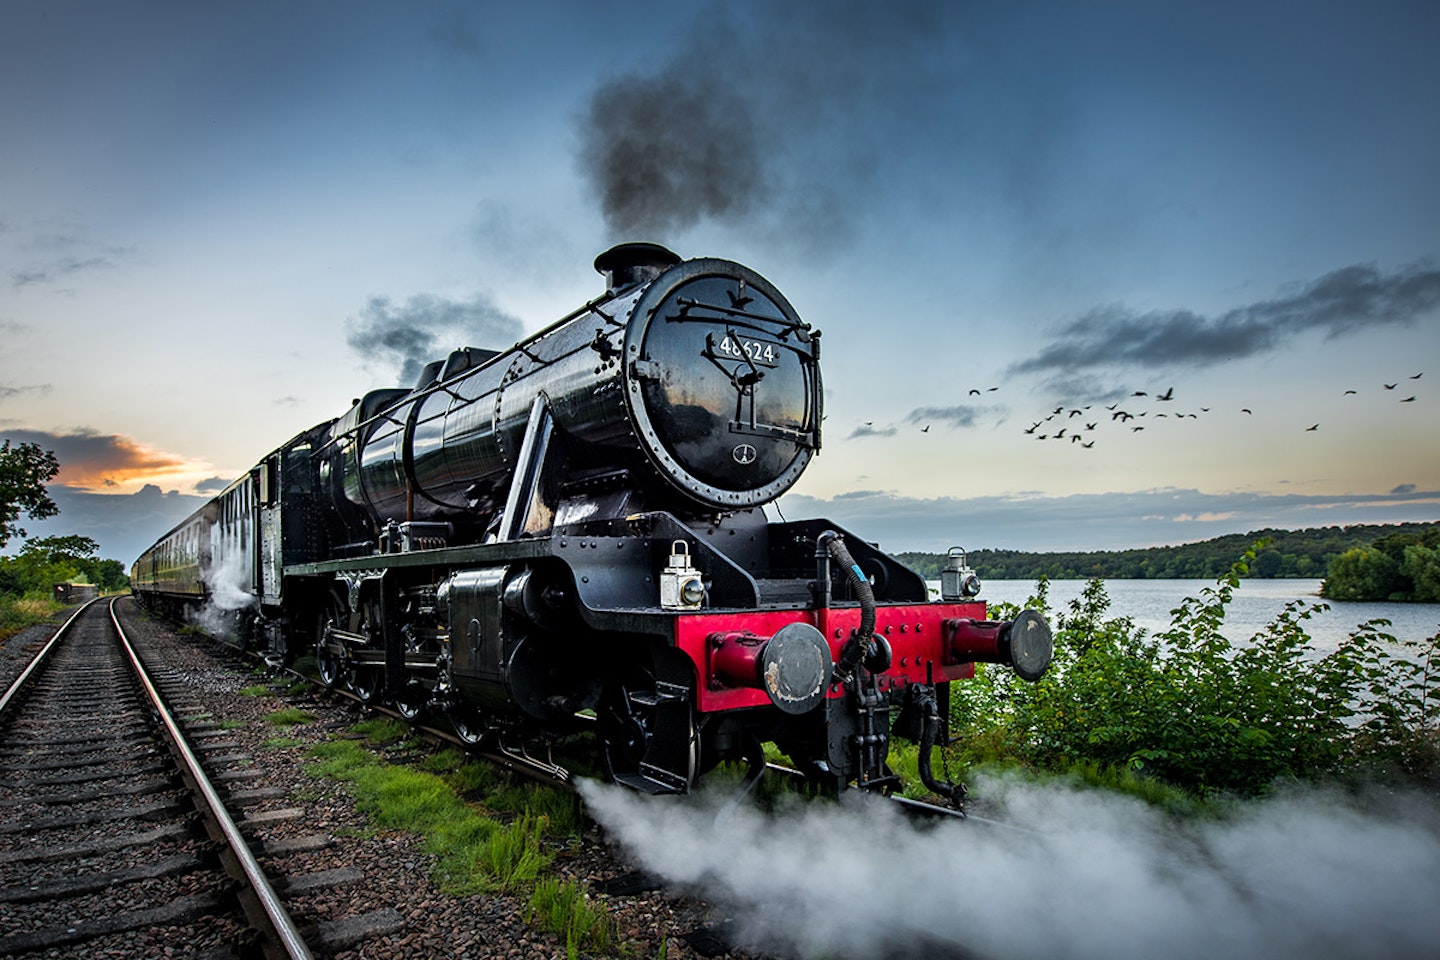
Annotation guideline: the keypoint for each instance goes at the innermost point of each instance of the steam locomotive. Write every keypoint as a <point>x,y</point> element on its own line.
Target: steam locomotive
<point>569,535</point>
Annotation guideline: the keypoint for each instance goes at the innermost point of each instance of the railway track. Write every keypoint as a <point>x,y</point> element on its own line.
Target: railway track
<point>112,836</point>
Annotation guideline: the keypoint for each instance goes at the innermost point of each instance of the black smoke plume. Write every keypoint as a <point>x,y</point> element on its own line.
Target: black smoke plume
<point>768,117</point>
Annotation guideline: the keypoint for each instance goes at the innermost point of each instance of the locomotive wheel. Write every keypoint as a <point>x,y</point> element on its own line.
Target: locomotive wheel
<point>366,681</point>
<point>469,724</point>
<point>410,704</point>
<point>642,733</point>
<point>329,664</point>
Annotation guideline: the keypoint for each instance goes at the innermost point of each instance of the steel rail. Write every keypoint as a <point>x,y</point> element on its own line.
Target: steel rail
<point>41,657</point>
<point>283,927</point>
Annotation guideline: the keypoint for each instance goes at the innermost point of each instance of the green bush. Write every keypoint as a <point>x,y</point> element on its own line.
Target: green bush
<point>1192,709</point>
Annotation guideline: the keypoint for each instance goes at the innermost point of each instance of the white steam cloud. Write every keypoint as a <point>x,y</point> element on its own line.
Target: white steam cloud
<point>230,592</point>
<point>1089,875</point>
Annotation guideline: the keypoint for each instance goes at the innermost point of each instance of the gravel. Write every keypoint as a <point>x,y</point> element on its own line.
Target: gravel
<point>395,889</point>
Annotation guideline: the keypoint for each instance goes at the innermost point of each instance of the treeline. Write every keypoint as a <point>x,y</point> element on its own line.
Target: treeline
<point>1290,553</point>
<point>46,561</point>
<point>1403,565</point>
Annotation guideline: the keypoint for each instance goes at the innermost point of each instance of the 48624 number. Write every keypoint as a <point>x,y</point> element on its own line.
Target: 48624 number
<point>756,351</point>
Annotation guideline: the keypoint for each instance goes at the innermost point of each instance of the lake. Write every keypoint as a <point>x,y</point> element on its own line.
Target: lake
<point>1255,603</point>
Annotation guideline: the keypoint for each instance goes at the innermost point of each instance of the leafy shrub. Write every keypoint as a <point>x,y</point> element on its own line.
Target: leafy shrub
<point>1192,709</point>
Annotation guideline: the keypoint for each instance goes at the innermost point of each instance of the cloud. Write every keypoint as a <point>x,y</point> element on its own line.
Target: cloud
<point>212,485</point>
<point>92,460</point>
<point>1341,302</point>
<point>1404,488</point>
<point>1109,521</point>
<point>866,430</point>
<point>59,270</point>
<point>425,328</point>
<point>961,416</point>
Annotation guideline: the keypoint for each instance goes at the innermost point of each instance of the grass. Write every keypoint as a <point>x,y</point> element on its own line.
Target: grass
<point>498,848</point>
<point>17,613</point>
<point>562,908</point>
<point>257,690</point>
<point>289,717</point>
<point>282,743</point>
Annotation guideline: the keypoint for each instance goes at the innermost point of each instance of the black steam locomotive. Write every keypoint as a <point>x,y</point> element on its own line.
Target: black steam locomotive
<point>569,535</point>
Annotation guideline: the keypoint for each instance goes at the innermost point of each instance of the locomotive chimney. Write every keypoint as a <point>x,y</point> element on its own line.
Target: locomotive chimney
<point>630,263</point>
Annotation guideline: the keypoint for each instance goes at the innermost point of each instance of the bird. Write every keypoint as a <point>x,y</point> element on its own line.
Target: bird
<point>1418,375</point>
<point>1245,410</point>
<point>1034,428</point>
<point>1312,429</point>
<point>1060,434</point>
<point>991,389</point>
<point>1167,395</point>
<point>974,392</point>
<point>1139,393</point>
<point>1113,405</point>
<point>1392,386</point>
<point>1089,426</point>
<point>1087,446</point>
<point>1136,429</point>
<point>1348,392</point>
<point>925,429</point>
<point>1407,400</point>
<point>1074,413</point>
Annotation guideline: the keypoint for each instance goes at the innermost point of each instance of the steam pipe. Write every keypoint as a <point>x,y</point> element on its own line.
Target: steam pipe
<point>860,646</point>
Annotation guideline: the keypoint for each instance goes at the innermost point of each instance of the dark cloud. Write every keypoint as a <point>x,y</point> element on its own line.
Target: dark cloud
<point>1342,302</point>
<point>425,328</point>
<point>1109,521</point>
<point>212,485</point>
<point>773,117</point>
<point>961,416</point>
<point>58,270</point>
<point>1404,488</point>
<point>91,460</point>
<point>866,430</point>
<point>8,391</point>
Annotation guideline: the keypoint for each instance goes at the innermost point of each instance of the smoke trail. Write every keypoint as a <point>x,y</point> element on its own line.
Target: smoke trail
<point>1093,876</point>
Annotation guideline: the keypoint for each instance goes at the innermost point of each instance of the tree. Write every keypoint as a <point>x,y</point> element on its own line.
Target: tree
<point>1422,566</point>
<point>1362,573</point>
<point>24,471</point>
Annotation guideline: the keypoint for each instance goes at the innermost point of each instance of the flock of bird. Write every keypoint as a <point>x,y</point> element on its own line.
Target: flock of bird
<point>1064,426</point>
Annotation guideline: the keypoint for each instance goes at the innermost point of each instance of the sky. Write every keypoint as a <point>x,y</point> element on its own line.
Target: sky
<point>1182,233</point>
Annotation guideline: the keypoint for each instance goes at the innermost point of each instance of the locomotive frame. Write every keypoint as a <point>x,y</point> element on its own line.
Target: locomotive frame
<point>570,534</point>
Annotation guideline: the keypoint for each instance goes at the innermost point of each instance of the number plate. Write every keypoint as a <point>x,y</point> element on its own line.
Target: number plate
<point>756,351</point>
